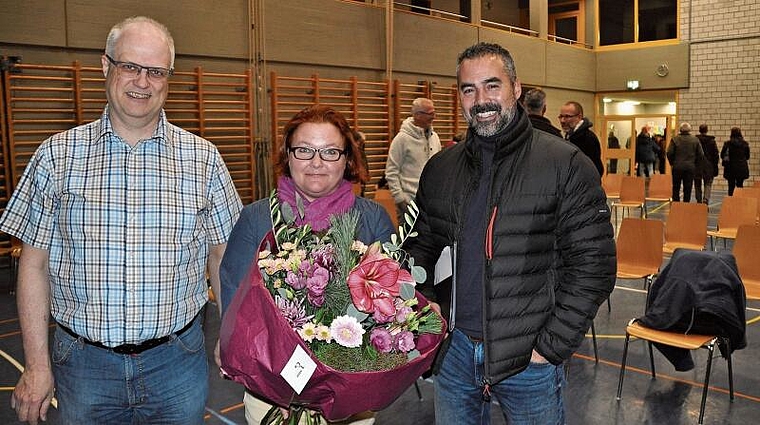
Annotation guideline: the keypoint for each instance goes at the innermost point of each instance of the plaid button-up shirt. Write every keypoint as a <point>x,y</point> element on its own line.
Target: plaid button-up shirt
<point>127,229</point>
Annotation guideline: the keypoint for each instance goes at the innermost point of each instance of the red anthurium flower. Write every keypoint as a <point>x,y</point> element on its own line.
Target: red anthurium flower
<point>375,281</point>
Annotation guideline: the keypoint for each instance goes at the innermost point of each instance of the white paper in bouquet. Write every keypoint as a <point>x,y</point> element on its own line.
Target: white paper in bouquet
<point>298,369</point>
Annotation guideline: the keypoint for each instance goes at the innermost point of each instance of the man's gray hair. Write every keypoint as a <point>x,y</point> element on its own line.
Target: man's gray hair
<point>116,31</point>
<point>685,127</point>
<point>418,104</point>
<point>535,101</point>
<point>487,49</point>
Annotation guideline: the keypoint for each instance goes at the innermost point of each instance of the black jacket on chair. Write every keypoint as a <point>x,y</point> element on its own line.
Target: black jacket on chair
<point>698,292</point>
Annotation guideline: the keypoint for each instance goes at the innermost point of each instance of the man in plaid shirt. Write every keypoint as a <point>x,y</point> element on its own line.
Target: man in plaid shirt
<point>120,220</point>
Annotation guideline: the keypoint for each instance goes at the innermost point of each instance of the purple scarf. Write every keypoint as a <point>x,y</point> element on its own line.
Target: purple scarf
<point>318,211</point>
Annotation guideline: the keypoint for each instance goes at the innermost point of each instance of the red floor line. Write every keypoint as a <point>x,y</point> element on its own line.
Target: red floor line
<point>231,408</point>
<point>227,409</point>
<point>668,377</point>
<point>5,335</point>
<point>4,321</point>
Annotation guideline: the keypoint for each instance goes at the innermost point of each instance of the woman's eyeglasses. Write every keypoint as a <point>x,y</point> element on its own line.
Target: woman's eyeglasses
<point>306,153</point>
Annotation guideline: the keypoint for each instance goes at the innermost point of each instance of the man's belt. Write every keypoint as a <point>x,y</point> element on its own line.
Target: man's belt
<point>129,348</point>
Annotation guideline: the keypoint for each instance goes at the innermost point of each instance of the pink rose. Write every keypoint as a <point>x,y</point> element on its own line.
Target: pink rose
<point>404,341</point>
<point>316,284</point>
<point>381,339</point>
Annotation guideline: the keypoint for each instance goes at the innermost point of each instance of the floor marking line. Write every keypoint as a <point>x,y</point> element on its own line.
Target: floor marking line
<point>629,368</point>
<point>219,416</point>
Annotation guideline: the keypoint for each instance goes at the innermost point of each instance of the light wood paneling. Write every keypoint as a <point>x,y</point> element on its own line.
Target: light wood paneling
<point>570,67</point>
<point>528,52</point>
<point>615,67</point>
<point>37,22</point>
<point>334,33</point>
<point>214,28</point>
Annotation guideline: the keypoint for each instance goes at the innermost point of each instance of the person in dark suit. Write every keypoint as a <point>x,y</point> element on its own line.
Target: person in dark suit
<point>577,130</point>
<point>535,106</point>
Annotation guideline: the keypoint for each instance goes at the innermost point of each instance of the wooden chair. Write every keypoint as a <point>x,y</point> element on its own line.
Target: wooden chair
<point>632,195</point>
<point>745,248</point>
<point>679,340</point>
<point>686,227</point>
<point>384,198</point>
<point>611,184</point>
<point>734,212</point>
<point>639,249</point>
<point>749,192</point>
<point>660,189</point>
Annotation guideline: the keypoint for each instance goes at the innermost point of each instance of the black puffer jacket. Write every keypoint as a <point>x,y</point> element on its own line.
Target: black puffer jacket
<point>551,259</point>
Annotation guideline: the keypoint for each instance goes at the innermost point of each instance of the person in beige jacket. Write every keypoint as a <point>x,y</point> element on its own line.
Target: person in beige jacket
<point>410,150</point>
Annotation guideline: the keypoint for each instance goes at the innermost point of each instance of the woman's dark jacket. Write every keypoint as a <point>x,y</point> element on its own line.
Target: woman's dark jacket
<point>709,167</point>
<point>550,260</point>
<point>645,149</point>
<point>738,155</point>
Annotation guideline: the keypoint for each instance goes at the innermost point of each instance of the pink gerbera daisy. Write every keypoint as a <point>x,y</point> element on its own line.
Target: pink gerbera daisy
<point>347,331</point>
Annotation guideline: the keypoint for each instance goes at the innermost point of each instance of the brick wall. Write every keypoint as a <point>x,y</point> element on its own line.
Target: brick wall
<point>724,84</point>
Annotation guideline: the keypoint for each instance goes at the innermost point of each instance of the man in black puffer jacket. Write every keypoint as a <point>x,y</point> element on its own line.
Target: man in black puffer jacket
<point>533,247</point>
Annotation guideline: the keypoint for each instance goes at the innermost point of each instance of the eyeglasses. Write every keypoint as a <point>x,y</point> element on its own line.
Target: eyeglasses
<point>430,114</point>
<point>565,117</point>
<point>134,70</point>
<point>305,153</point>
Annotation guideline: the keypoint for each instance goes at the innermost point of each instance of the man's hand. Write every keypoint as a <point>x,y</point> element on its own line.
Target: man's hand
<point>217,354</point>
<point>435,307</point>
<point>537,358</point>
<point>33,394</point>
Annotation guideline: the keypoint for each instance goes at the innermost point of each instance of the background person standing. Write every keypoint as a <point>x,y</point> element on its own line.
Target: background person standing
<point>735,154</point>
<point>684,155</point>
<point>577,130</point>
<point>535,106</point>
<point>708,168</point>
<point>410,150</point>
<point>646,152</point>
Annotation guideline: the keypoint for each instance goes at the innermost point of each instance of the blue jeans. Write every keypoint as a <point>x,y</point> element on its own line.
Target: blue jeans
<point>534,396</point>
<point>167,384</point>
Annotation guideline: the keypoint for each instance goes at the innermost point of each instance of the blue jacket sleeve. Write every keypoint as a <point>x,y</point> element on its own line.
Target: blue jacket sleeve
<point>253,224</point>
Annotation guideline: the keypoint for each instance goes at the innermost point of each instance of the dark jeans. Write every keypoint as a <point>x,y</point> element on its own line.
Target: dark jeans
<point>687,178</point>
<point>167,384</point>
<point>533,396</point>
<point>733,183</point>
<point>646,167</point>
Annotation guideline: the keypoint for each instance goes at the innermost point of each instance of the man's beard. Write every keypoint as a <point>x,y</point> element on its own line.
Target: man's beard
<point>488,129</point>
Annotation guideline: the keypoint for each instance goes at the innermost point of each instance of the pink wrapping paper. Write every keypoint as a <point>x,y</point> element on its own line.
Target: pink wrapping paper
<point>256,343</point>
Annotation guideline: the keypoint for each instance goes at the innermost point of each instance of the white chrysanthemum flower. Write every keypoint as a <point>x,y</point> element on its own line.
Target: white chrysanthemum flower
<point>323,333</point>
<point>308,332</point>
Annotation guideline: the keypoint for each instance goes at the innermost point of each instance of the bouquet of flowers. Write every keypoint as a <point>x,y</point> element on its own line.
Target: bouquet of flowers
<point>363,332</point>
